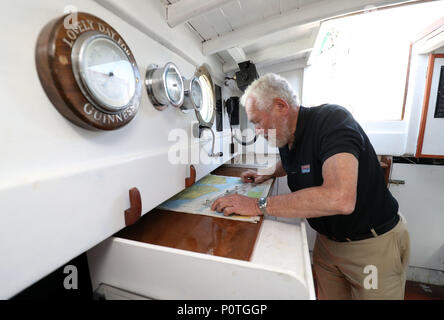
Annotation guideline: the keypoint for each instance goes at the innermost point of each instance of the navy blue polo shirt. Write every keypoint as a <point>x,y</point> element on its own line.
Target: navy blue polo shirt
<point>322,132</point>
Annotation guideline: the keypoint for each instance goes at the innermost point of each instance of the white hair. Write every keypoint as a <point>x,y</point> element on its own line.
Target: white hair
<point>269,87</point>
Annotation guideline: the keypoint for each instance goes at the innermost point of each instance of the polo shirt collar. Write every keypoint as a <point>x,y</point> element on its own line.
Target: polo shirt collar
<point>300,126</point>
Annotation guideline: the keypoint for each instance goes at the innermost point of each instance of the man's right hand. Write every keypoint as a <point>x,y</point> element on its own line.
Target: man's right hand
<point>252,176</point>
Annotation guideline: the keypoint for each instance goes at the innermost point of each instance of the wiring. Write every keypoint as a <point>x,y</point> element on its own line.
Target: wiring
<point>233,136</point>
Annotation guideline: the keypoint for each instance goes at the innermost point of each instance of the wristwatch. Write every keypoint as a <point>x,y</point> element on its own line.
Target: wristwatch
<point>262,204</point>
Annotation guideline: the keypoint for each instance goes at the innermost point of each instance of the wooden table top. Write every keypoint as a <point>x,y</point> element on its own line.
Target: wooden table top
<point>197,233</point>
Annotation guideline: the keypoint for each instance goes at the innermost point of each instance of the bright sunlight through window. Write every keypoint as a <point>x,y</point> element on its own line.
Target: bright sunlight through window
<point>360,61</point>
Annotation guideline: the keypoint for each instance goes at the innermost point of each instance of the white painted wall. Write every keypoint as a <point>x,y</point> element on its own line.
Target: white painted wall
<point>64,189</point>
<point>420,201</point>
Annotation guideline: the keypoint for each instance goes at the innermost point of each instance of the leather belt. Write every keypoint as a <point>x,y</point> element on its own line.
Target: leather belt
<point>374,232</point>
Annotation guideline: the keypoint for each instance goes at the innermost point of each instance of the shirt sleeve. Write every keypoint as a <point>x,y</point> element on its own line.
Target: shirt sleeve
<point>340,133</point>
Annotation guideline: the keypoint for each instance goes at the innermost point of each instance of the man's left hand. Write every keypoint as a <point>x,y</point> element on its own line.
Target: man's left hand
<point>238,204</point>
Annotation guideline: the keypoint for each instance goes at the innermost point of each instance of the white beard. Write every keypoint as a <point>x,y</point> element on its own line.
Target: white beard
<point>279,142</point>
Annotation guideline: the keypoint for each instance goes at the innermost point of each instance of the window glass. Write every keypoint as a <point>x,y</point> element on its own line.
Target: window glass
<point>360,61</point>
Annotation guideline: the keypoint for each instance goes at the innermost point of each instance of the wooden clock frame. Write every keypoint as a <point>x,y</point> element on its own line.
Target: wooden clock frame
<point>55,69</point>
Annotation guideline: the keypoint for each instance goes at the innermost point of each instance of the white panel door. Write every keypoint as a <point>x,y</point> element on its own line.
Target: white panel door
<point>421,202</point>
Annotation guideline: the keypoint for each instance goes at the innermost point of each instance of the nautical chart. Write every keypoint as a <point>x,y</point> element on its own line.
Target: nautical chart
<point>198,198</point>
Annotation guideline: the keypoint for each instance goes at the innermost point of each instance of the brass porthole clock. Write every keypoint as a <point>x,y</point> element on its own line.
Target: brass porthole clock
<point>89,73</point>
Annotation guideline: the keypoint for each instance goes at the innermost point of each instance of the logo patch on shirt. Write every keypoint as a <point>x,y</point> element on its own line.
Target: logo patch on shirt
<point>305,168</point>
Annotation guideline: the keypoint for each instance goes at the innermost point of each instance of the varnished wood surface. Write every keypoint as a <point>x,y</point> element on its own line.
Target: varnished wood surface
<point>230,171</point>
<point>386,165</point>
<point>197,233</point>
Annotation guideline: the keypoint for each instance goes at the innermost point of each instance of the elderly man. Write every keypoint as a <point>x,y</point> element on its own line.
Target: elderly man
<point>362,244</point>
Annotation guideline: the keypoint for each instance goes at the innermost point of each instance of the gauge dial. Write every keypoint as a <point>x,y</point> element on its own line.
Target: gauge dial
<point>173,85</point>
<point>165,86</point>
<point>105,73</point>
<point>207,107</point>
<point>196,93</point>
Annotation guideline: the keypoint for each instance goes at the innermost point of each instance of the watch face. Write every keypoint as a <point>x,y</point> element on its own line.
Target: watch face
<point>262,202</point>
<point>196,93</point>
<point>106,73</point>
<point>173,85</point>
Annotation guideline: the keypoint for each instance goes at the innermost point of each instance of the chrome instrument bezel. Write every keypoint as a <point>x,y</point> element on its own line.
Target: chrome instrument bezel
<point>203,71</point>
<point>77,58</point>
<point>156,86</point>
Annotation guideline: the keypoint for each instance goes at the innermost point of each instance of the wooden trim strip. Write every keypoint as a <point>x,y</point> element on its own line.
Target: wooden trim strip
<point>386,165</point>
<point>431,28</point>
<point>433,156</point>
<point>425,105</point>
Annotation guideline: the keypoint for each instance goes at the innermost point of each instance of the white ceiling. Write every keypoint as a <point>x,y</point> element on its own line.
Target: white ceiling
<point>263,31</point>
<point>237,14</point>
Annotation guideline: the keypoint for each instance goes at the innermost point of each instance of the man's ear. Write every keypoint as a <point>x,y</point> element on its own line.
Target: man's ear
<point>281,106</point>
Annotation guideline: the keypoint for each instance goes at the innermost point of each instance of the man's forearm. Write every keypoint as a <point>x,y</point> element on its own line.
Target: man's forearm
<point>306,203</point>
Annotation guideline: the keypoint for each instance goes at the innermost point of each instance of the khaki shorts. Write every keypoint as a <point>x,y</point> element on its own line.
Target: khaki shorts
<point>373,268</point>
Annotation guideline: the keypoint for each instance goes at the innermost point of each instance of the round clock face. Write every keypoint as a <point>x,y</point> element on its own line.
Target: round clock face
<point>89,73</point>
<point>107,72</point>
<point>104,71</point>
